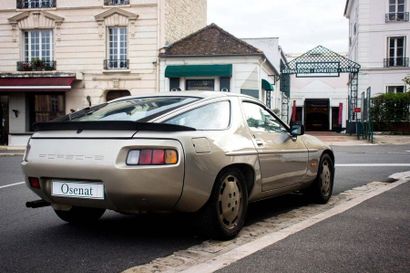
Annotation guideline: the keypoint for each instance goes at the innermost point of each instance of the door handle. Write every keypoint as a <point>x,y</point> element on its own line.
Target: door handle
<point>259,142</point>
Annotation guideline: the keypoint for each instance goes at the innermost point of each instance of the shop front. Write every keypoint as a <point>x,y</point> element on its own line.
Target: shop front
<point>27,100</point>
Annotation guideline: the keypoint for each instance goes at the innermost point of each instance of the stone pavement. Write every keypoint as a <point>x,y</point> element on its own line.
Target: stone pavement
<point>11,151</point>
<point>331,138</point>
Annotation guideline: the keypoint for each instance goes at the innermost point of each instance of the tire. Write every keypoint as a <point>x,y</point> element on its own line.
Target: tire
<point>322,187</point>
<point>224,214</point>
<point>80,215</point>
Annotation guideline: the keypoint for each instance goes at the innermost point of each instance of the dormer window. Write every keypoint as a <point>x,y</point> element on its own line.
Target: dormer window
<point>35,4</point>
<point>397,11</point>
<point>116,2</point>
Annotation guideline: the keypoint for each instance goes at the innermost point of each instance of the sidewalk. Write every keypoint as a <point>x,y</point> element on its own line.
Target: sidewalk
<point>333,138</point>
<point>330,138</point>
<point>11,151</point>
<point>371,237</point>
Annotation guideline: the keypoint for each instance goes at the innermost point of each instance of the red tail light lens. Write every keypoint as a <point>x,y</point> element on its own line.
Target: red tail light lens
<point>34,182</point>
<point>152,157</point>
<point>158,157</point>
<point>145,157</point>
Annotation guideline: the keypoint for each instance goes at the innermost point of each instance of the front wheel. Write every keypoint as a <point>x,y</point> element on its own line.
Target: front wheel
<point>80,215</point>
<point>224,214</point>
<point>322,187</point>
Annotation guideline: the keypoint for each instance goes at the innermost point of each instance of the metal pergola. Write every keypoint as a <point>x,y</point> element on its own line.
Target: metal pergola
<point>323,62</point>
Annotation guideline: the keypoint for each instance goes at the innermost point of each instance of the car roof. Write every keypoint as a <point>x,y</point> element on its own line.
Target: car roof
<point>198,94</point>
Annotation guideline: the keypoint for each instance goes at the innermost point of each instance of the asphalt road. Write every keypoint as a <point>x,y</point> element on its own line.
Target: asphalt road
<point>35,240</point>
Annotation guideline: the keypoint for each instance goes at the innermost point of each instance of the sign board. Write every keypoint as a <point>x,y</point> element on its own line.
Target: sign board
<point>317,69</point>
<point>358,110</point>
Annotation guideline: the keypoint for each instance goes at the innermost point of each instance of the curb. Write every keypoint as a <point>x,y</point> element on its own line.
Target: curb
<point>11,154</point>
<point>210,256</point>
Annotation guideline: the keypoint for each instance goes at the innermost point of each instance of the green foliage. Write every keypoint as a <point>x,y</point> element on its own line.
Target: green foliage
<point>391,108</point>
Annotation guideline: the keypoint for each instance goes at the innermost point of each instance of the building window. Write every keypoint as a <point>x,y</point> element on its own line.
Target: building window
<point>204,85</point>
<point>396,54</point>
<point>38,51</point>
<point>397,11</point>
<point>32,4</point>
<point>225,84</point>
<point>45,107</point>
<point>174,84</point>
<point>396,89</point>
<point>116,2</point>
<point>117,48</point>
<point>115,94</point>
<point>251,92</point>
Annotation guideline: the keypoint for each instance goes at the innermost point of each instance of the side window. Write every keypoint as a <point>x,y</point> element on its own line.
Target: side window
<point>259,119</point>
<point>214,116</point>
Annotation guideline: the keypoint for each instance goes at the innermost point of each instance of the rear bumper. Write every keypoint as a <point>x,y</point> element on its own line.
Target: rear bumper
<point>126,188</point>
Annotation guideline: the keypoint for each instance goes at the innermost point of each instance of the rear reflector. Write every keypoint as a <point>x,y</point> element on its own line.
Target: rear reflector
<point>152,157</point>
<point>34,182</point>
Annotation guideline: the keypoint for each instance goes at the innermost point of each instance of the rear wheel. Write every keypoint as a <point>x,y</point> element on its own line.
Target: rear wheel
<point>224,214</point>
<point>322,187</point>
<point>80,215</point>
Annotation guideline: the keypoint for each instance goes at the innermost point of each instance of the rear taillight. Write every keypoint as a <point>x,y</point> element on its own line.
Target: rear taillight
<point>34,182</point>
<point>152,157</point>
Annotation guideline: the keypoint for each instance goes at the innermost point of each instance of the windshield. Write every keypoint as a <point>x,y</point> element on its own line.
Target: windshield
<point>133,109</point>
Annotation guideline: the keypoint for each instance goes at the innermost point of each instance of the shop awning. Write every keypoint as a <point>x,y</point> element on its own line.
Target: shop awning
<point>38,84</point>
<point>266,85</point>
<point>215,70</point>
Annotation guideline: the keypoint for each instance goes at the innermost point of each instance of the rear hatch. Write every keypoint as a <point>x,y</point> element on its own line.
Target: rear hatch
<point>84,153</point>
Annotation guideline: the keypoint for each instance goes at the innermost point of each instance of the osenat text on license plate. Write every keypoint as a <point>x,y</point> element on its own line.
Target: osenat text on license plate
<point>77,189</point>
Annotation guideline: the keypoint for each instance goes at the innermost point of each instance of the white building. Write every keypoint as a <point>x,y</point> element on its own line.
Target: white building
<point>223,63</point>
<point>379,33</point>
<point>58,56</point>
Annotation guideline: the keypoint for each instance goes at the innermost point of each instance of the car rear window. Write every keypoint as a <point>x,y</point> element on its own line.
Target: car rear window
<point>133,109</point>
<point>213,116</point>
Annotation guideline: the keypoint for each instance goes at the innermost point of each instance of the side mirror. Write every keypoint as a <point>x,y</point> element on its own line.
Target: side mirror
<point>297,130</point>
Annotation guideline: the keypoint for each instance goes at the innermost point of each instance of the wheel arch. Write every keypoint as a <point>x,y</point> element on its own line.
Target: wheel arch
<point>247,171</point>
<point>330,153</point>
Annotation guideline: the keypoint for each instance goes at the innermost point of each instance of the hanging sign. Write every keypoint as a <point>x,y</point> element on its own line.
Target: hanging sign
<point>317,69</point>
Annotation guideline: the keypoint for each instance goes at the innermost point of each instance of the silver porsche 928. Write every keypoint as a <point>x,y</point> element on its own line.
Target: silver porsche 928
<point>205,152</point>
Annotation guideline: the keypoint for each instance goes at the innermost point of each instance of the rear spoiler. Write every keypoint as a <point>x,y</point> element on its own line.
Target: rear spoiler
<point>109,125</point>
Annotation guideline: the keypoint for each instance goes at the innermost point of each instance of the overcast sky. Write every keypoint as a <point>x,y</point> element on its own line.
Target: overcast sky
<point>300,24</point>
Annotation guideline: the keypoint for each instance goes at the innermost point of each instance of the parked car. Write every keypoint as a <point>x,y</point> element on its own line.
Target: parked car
<point>207,152</point>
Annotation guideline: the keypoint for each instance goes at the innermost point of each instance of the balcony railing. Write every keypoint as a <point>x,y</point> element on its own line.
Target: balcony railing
<point>36,65</point>
<point>396,62</point>
<point>397,17</point>
<point>35,4</point>
<point>116,64</point>
<point>116,2</point>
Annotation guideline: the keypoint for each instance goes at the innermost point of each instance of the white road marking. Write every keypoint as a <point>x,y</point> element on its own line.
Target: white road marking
<point>247,249</point>
<point>374,165</point>
<point>11,185</point>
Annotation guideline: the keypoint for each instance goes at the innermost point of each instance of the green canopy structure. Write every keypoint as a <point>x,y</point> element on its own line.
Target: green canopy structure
<point>266,85</point>
<point>182,71</point>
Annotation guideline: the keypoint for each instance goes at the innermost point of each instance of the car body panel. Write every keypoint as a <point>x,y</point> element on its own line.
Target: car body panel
<point>285,163</point>
<point>127,188</point>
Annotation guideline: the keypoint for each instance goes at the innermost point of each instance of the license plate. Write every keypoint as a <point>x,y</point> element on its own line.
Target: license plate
<point>77,189</point>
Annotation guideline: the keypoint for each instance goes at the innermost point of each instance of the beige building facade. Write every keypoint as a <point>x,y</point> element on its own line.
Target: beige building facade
<point>64,55</point>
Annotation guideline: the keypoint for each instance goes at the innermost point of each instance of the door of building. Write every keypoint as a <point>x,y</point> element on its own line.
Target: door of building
<point>4,120</point>
<point>317,114</point>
